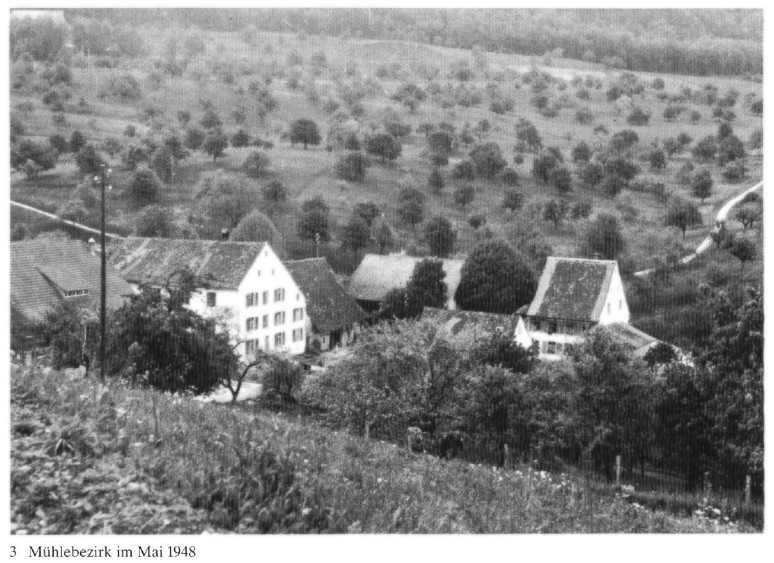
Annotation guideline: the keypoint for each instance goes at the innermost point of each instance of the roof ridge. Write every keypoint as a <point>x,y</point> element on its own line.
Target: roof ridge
<point>201,241</point>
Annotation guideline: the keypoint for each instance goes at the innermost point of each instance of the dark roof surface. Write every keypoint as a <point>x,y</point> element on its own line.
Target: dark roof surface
<point>377,275</point>
<point>41,270</point>
<point>223,265</point>
<point>455,321</point>
<point>632,337</point>
<point>572,289</point>
<point>328,304</point>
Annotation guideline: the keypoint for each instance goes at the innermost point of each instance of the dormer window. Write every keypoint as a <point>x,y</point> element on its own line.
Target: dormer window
<point>76,292</point>
<point>210,299</point>
<point>259,273</point>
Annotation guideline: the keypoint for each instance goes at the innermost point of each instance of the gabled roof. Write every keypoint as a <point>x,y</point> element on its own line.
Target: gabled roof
<point>43,270</point>
<point>483,323</point>
<point>572,289</point>
<point>328,304</point>
<point>377,275</point>
<point>222,265</point>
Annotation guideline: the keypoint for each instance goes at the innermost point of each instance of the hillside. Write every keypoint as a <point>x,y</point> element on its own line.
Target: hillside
<point>348,84</point>
<point>93,459</point>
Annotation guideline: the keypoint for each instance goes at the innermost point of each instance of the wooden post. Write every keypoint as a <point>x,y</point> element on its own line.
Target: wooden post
<point>747,488</point>
<point>366,429</point>
<point>506,457</point>
<point>707,484</point>
<point>618,471</point>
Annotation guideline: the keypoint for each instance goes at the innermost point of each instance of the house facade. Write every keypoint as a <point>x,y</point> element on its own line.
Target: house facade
<point>574,295</point>
<point>243,285</point>
<point>45,273</point>
<point>377,275</point>
<point>332,317</point>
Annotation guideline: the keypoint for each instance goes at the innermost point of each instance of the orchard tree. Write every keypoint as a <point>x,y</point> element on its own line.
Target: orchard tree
<point>581,152</point>
<point>701,185</point>
<point>706,149</point>
<point>155,221</point>
<point>411,206</point>
<point>194,138</point>
<point>210,120</point>
<point>555,211</point>
<point>602,237</point>
<point>304,131</point>
<point>162,163</point>
<point>682,214</point>
<point>256,164</point>
<point>256,227</point>
<point>657,159</point>
<point>495,278</point>
<point>382,235</point>
<point>274,192</point>
<point>730,149</point>
<point>351,166</point>
<point>32,158</point>
<point>426,287</point>
<point>439,236</point>
<point>488,159</point>
<point>355,234</point>
<point>215,142</point>
<point>383,145</point>
<point>225,197</point>
<point>144,187</point>
<point>77,141</point>
<point>741,247</point>
<point>435,181</point>
<point>464,194</point>
<point>88,160</point>
<point>561,178</point>
<point>748,214</point>
<point>513,200</point>
<point>240,138</point>
<point>367,211</point>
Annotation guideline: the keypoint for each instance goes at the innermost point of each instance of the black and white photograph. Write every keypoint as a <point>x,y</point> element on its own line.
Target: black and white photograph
<point>371,271</point>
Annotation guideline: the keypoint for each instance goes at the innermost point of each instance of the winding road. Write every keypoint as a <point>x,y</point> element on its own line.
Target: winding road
<point>65,221</point>
<point>721,216</point>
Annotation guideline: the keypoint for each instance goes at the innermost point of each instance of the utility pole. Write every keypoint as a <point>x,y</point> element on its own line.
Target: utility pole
<point>104,171</point>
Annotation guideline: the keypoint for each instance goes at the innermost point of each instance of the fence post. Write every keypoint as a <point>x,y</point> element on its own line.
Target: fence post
<point>618,471</point>
<point>748,488</point>
<point>506,457</point>
<point>707,484</point>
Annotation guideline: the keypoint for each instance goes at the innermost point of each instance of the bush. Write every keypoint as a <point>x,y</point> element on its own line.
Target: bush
<point>144,187</point>
<point>439,236</point>
<point>513,200</point>
<point>464,171</point>
<point>124,88</point>
<point>240,138</point>
<point>256,164</point>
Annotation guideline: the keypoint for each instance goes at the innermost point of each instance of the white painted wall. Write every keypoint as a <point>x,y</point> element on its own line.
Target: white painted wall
<point>615,309</point>
<point>265,275</point>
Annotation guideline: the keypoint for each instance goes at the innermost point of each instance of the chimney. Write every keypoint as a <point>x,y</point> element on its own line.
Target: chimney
<point>92,246</point>
<point>224,234</point>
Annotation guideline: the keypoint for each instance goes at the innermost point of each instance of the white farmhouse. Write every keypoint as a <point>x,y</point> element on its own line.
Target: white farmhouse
<point>243,284</point>
<point>573,296</point>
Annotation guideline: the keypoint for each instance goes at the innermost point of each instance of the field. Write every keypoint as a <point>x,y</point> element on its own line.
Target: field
<point>93,459</point>
<point>303,72</point>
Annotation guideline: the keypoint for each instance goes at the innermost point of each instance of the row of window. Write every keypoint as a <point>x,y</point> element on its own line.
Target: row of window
<point>253,345</point>
<point>551,327</point>
<point>254,299</point>
<point>558,348</point>
<point>252,323</point>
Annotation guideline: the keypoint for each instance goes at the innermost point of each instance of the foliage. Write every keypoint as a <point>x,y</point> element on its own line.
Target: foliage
<point>256,227</point>
<point>155,221</point>
<point>581,152</point>
<point>488,159</point>
<point>602,236</point>
<point>464,170</point>
<point>426,286</point>
<point>225,197</point>
<point>313,221</point>
<point>682,214</point>
<point>304,131</point>
<point>240,138</point>
<point>495,278</point>
<point>555,211</point>
<point>383,145</point>
<point>88,160</point>
<point>162,163</point>
<point>169,347</point>
<point>701,184</point>
<point>32,158</point>
<point>705,149</point>
<point>215,142</point>
<point>464,194</point>
<point>352,166</point>
<point>255,164</point>
<point>194,138</point>
<point>411,206</point>
<point>439,236</point>
<point>435,180</point>
<point>355,234</point>
<point>73,334</point>
<point>145,187</point>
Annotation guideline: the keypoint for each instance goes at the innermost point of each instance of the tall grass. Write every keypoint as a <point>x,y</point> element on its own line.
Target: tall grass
<point>205,467</point>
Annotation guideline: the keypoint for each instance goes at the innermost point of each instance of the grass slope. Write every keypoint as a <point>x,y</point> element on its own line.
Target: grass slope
<point>90,459</point>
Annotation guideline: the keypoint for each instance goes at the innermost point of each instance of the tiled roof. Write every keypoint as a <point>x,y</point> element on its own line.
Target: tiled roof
<point>485,323</point>
<point>631,337</point>
<point>42,270</point>
<point>376,275</point>
<point>572,289</point>
<point>328,304</point>
<point>223,265</point>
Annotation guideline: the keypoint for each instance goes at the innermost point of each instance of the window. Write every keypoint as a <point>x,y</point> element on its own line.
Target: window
<point>251,346</point>
<point>266,321</point>
<point>608,308</point>
<point>551,327</point>
<point>544,326</point>
<point>252,324</point>
<point>279,339</point>
<point>76,292</point>
<point>298,314</point>
<point>279,295</point>
<point>279,318</point>
<point>620,304</point>
<point>265,297</point>
<point>550,347</point>
<point>559,348</point>
<point>252,300</point>
<point>259,273</point>
<point>210,299</point>
<point>298,297</point>
<point>298,334</point>
<point>266,343</point>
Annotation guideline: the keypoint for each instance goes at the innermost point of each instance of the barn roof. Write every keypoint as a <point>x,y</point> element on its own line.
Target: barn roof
<point>44,271</point>
<point>328,304</point>
<point>572,289</point>
<point>376,275</point>
<point>485,323</point>
<point>222,265</point>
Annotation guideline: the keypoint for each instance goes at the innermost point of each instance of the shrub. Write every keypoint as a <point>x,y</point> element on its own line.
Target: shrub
<point>256,164</point>
<point>240,138</point>
<point>124,88</point>
<point>439,236</point>
<point>352,166</point>
<point>464,170</point>
<point>144,187</point>
<point>513,200</point>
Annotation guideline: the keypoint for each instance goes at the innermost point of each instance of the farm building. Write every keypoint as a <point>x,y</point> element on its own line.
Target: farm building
<point>377,275</point>
<point>574,295</point>
<point>45,273</point>
<point>332,315</point>
<point>479,325</point>
<point>243,284</point>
